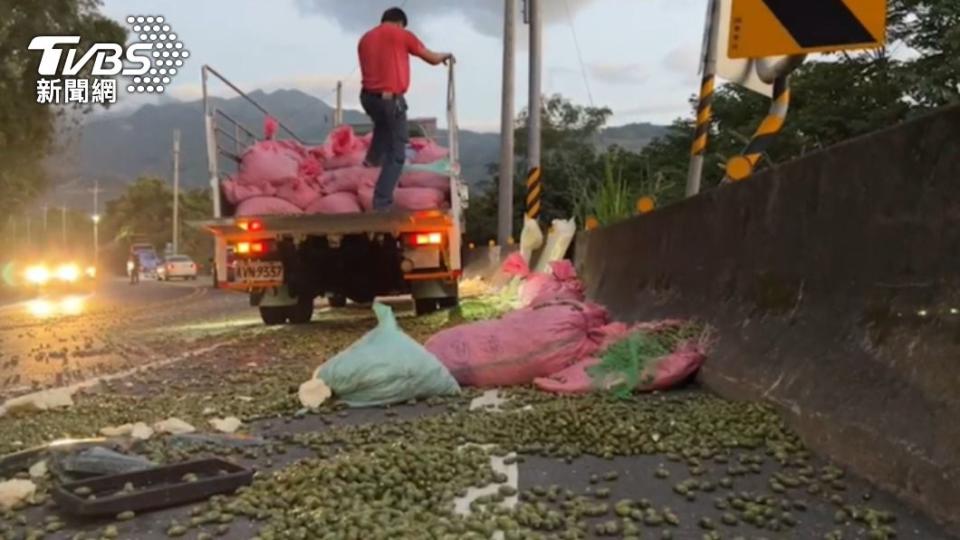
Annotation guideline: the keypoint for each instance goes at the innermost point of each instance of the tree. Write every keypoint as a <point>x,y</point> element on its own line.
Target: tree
<point>569,154</point>
<point>931,28</point>
<point>28,129</point>
<point>144,213</point>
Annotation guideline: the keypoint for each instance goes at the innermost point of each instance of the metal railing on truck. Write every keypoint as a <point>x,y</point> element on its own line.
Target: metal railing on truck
<point>226,137</point>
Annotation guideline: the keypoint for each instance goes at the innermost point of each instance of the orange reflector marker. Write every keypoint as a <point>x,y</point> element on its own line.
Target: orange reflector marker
<point>257,247</point>
<point>645,205</point>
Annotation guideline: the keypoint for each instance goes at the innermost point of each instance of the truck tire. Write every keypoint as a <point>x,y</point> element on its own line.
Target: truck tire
<point>337,301</point>
<point>362,298</point>
<point>274,315</point>
<point>302,312</point>
<point>426,306</point>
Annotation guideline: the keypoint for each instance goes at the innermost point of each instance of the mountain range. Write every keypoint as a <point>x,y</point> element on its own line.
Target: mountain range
<point>116,148</point>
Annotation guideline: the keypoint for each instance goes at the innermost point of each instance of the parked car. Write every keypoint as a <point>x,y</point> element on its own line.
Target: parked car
<point>177,267</point>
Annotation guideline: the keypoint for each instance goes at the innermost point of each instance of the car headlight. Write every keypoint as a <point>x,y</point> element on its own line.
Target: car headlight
<point>68,272</point>
<point>37,275</point>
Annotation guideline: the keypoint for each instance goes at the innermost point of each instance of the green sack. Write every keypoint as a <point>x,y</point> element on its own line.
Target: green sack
<point>386,366</point>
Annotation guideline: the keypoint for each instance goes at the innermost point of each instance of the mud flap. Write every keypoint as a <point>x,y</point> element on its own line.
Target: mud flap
<point>273,297</point>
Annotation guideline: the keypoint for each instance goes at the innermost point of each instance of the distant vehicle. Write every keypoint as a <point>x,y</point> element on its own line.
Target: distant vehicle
<point>149,262</point>
<point>177,267</point>
<point>56,276</point>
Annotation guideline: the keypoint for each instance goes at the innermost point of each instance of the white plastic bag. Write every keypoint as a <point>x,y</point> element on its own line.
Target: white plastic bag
<point>558,242</point>
<point>531,238</point>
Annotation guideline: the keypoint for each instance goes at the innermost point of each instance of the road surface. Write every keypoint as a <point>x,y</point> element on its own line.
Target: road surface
<point>209,356</point>
<point>116,327</point>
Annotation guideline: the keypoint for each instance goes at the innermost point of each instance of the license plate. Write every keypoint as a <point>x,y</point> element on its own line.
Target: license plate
<point>259,271</point>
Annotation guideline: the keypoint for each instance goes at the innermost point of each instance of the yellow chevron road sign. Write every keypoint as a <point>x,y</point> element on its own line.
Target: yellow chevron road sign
<point>760,28</point>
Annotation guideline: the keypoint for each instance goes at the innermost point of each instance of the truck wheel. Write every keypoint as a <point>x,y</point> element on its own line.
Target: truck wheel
<point>449,302</point>
<point>273,315</point>
<point>362,299</point>
<point>337,301</point>
<point>426,306</point>
<point>302,312</point>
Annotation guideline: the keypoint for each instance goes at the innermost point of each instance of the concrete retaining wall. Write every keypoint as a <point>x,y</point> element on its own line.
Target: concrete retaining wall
<point>834,282</point>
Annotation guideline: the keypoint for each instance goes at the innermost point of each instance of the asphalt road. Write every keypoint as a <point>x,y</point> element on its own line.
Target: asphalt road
<point>122,327</point>
<point>66,339</point>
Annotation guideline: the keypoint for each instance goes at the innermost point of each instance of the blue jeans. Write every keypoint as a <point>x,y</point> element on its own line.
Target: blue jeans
<point>388,148</point>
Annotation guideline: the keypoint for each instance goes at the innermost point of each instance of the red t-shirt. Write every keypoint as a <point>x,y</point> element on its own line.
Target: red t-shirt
<point>385,58</point>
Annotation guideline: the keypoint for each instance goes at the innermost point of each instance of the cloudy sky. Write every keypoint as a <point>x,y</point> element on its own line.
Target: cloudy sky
<point>639,56</point>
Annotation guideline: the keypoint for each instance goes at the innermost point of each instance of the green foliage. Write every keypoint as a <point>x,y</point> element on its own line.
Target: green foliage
<point>28,130</point>
<point>833,100</point>
<point>609,199</point>
<point>931,28</point>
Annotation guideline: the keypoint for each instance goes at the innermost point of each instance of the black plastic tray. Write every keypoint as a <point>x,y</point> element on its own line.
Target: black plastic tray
<point>155,488</point>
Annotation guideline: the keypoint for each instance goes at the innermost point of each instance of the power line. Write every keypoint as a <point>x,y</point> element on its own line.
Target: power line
<point>576,43</point>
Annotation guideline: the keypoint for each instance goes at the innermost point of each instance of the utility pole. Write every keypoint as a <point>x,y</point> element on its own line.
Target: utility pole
<point>505,206</point>
<point>536,70</point>
<point>63,225</point>
<point>534,176</point>
<point>708,71</point>
<point>338,114</point>
<point>96,222</point>
<point>176,191</point>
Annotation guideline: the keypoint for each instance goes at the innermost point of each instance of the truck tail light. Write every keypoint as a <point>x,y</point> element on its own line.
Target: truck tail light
<point>253,225</point>
<point>247,248</point>
<point>426,239</point>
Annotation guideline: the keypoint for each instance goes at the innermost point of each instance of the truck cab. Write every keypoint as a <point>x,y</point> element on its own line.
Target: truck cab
<point>284,262</point>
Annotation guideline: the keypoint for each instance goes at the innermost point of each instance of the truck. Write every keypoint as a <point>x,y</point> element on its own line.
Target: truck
<point>284,263</point>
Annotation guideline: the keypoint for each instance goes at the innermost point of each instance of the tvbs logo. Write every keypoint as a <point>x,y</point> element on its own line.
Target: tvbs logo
<point>147,64</point>
<point>107,57</point>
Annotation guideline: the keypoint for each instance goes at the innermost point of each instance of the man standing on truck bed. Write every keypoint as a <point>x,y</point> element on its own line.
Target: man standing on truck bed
<point>385,65</point>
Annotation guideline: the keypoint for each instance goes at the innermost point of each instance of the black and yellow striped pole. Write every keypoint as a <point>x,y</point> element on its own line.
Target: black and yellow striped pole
<point>534,192</point>
<point>741,167</point>
<point>708,70</point>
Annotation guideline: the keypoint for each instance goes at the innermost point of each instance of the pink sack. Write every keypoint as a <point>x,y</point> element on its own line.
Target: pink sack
<point>299,192</point>
<point>427,151</point>
<point>414,198</point>
<point>236,192</point>
<point>523,345</point>
<point>352,159</point>
<point>561,283</point>
<point>425,179</point>
<point>365,197</point>
<point>270,126</point>
<point>663,374</point>
<point>348,180</point>
<point>268,162</point>
<point>335,203</point>
<point>341,140</point>
<point>267,206</point>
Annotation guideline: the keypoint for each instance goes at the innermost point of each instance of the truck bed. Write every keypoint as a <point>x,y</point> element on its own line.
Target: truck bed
<point>393,221</point>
